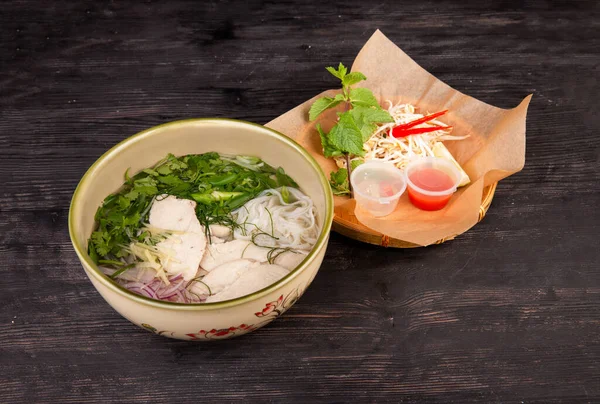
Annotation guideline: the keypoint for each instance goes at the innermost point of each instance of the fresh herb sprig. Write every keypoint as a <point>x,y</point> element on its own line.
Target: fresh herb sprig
<point>339,180</point>
<point>353,127</point>
<point>218,183</point>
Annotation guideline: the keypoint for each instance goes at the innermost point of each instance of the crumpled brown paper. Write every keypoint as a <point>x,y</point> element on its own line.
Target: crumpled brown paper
<point>494,150</point>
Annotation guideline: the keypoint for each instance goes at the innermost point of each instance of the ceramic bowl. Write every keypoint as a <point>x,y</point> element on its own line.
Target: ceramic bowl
<point>214,320</point>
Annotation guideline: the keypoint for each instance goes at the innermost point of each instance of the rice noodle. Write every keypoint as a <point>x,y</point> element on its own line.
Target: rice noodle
<point>270,221</point>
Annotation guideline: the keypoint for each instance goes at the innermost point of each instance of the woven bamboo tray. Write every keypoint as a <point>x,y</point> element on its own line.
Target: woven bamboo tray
<point>344,222</point>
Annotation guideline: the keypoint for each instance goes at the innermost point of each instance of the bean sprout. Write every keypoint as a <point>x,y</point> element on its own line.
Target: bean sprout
<point>382,146</point>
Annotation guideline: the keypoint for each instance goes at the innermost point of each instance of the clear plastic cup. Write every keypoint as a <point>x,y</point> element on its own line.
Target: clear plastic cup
<point>431,182</point>
<point>377,187</point>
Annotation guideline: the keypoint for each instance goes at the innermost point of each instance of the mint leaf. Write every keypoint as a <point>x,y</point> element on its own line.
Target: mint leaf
<point>356,162</point>
<point>328,149</point>
<point>340,73</point>
<point>362,97</point>
<point>366,119</point>
<point>372,115</point>
<point>353,78</point>
<point>339,182</point>
<point>346,136</point>
<point>366,128</point>
<point>321,105</point>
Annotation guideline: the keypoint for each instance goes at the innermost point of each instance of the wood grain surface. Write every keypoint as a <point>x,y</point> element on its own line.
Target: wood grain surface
<point>508,312</point>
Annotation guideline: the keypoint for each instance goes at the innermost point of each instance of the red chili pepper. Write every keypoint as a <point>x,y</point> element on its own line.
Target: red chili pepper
<point>404,129</point>
<point>416,131</point>
<point>426,118</point>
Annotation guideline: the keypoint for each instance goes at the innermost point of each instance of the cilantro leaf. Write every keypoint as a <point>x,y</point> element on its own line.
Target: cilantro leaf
<point>346,136</point>
<point>146,186</point>
<point>328,149</point>
<point>170,180</point>
<point>124,202</point>
<point>321,105</point>
<point>92,252</point>
<point>353,78</point>
<point>150,171</point>
<point>362,97</point>
<point>131,220</point>
<point>164,170</point>
<point>149,190</point>
<point>100,240</point>
<point>340,73</point>
<point>339,182</point>
<point>132,195</point>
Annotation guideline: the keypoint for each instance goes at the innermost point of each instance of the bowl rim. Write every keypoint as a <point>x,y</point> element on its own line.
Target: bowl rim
<point>94,270</point>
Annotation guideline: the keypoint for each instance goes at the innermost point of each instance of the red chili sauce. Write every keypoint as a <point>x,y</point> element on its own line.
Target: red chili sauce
<point>433,180</point>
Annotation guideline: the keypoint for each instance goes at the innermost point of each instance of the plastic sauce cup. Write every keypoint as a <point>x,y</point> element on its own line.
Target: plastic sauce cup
<point>431,182</point>
<point>377,187</point>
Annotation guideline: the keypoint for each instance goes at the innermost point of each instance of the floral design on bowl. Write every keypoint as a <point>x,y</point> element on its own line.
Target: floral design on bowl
<point>271,311</point>
<point>148,327</point>
<point>222,333</point>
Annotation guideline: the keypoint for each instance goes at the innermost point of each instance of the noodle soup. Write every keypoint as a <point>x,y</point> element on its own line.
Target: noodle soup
<point>203,228</point>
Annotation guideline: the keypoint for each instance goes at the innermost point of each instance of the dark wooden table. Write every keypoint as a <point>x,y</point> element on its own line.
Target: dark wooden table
<point>508,312</point>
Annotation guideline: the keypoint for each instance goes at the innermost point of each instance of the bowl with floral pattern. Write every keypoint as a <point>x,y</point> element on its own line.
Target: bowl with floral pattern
<point>201,321</point>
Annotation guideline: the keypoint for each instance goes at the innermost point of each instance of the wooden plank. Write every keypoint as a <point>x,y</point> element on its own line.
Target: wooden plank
<point>507,312</point>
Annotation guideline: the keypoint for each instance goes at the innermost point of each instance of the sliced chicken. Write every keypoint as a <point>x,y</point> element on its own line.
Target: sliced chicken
<point>222,276</point>
<point>171,213</point>
<point>252,280</point>
<point>216,240</point>
<point>218,254</point>
<point>183,250</point>
<point>289,259</point>
<point>218,230</point>
<point>254,252</point>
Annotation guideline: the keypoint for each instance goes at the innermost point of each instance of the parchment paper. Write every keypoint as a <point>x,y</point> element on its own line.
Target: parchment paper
<point>494,150</point>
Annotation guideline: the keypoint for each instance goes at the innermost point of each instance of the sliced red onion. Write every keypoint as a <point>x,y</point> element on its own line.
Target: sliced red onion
<point>175,291</point>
